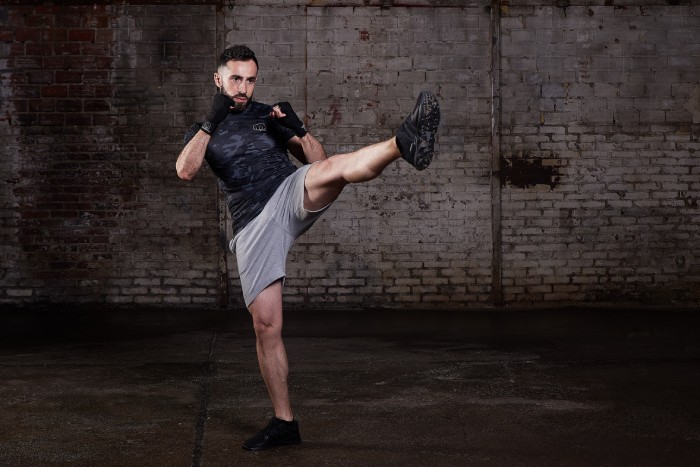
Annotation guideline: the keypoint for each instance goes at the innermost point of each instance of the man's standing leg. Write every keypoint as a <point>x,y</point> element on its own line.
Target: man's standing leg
<point>266,311</point>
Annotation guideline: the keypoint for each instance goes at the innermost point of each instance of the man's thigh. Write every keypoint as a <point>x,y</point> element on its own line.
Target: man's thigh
<point>266,308</point>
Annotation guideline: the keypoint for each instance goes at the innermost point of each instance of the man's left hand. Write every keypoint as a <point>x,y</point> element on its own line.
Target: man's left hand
<point>283,112</point>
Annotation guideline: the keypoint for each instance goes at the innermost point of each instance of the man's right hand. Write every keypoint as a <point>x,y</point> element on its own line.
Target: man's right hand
<point>220,108</point>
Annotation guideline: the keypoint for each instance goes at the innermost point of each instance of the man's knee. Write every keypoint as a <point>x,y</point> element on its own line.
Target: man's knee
<point>267,327</point>
<point>266,310</point>
<point>323,185</point>
<point>267,322</point>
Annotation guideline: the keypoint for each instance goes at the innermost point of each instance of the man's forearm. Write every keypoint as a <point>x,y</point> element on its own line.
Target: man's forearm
<point>190,159</point>
<point>313,149</point>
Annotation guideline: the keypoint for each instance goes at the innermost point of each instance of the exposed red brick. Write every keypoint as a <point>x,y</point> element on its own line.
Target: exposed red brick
<point>80,119</point>
<point>51,119</point>
<point>54,35</point>
<point>40,77</point>
<point>91,90</point>
<point>7,34</point>
<point>41,105</point>
<point>81,35</point>
<point>19,78</point>
<point>26,91</point>
<point>96,76</point>
<point>40,20</point>
<point>96,21</point>
<point>101,49</point>
<point>16,49</point>
<point>67,48</point>
<point>96,105</point>
<point>103,62</point>
<point>69,105</point>
<point>69,18</point>
<point>107,120</point>
<point>55,62</point>
<point>68,77</point>
<point>27,35</point>
<point>20,105</point>
<point>41,48</point>
<point>24,118</point>
<point>54,91</point>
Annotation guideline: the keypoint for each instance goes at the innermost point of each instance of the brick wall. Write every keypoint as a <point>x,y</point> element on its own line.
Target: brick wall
<point>600,133</point>
<point>95,99</point>
<point>585,191</point>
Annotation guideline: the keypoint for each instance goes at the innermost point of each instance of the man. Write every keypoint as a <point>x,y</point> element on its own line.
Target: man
<point>272,203</point>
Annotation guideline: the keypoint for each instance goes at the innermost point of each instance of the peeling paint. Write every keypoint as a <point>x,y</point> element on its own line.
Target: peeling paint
<point>336,115</point>
<point>524,171</point>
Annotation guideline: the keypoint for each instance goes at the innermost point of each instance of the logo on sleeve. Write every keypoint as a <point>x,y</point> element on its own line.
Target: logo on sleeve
<point>259,127</point>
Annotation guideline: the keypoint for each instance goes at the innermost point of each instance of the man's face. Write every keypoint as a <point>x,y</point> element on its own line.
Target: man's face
<point>237,80</point>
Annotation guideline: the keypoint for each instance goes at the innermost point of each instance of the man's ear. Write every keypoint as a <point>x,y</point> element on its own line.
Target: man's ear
<point>217,80</point>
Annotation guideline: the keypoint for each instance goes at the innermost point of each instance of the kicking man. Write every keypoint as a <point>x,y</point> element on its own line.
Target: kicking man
<point>272,202</point>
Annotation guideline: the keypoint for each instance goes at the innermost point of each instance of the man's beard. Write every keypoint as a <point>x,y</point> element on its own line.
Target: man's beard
<point>238,106</point>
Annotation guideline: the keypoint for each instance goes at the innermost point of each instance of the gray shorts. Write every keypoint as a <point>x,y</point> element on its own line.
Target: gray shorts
<point>261,247</point>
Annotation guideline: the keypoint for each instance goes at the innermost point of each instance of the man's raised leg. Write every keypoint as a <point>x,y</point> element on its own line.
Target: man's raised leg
<point>326,179</point>
<point>414,142</point>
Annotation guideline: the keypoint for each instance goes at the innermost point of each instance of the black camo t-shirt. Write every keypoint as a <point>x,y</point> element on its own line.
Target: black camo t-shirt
<point>248,155</point>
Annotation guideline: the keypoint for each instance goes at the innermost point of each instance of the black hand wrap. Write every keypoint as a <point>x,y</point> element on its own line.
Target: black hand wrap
<point>220,107</point>
<point>291,120</point>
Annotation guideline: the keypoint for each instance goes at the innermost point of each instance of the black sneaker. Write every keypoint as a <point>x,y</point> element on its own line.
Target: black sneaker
<point>416,136</point>
<point>276,433</point>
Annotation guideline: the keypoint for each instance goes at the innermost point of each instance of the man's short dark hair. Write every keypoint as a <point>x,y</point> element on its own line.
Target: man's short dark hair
<point>237,52</point>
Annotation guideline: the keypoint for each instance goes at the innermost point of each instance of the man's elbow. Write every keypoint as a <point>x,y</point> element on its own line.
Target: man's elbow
<point>185,174</point>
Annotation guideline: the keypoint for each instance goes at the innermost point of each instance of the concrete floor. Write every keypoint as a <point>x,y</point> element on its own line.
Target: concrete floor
<point>562,387</point>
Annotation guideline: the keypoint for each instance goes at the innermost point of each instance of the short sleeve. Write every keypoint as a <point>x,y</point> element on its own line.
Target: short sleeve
<point>191,132</point>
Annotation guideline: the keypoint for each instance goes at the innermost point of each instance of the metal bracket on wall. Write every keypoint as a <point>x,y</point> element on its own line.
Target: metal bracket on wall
<point>222,207</point>
<point>496,235</point>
